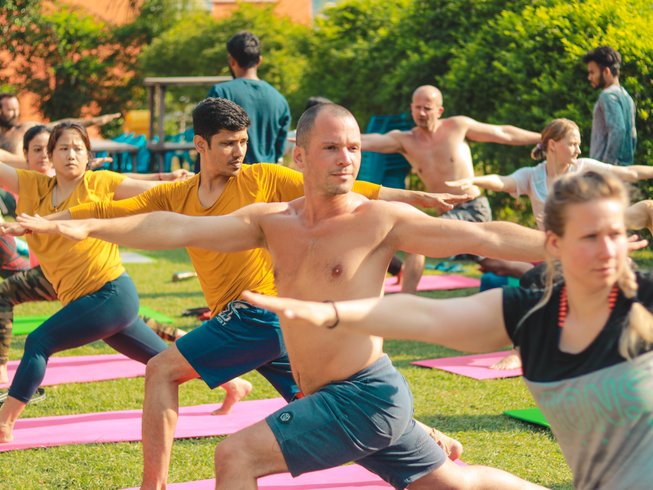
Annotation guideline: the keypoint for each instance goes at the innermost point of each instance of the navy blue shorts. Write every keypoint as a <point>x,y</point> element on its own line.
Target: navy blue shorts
<point>367,418</point>
<point>239,339</point>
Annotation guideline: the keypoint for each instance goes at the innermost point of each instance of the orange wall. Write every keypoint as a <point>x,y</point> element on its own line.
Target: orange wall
<point>114,11</point>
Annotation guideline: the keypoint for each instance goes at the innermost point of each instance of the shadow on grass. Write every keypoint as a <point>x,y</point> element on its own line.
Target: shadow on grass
<point>568,485</point>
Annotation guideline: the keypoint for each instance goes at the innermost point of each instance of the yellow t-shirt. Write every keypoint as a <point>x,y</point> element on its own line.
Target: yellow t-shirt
<point>75,269</point>
<point>223,276</point>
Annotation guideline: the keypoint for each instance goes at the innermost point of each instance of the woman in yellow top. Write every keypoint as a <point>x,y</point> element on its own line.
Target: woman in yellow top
<point>30,284</point>
<point>99,298</point>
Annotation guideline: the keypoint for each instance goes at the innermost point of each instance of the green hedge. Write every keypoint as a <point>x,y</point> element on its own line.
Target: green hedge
<point>514,63</point>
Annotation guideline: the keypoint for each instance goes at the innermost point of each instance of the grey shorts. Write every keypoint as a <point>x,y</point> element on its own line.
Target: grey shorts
<point>477,210</point>
<point>367,418</point>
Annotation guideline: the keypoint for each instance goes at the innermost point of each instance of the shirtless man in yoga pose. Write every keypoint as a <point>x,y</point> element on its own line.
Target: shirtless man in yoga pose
<point>358,407</point>
<point>215,350</point>
<point>437,150</point>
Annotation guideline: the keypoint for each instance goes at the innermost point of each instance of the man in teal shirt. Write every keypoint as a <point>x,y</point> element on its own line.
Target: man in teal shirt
<point>613,125</point>
<point>267,109</point>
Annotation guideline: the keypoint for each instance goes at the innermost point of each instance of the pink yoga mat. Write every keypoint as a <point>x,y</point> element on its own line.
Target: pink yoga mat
<point>125,425</point>
<point>349,477</point>
<point>435,282</point>
<point>82,369</point>
<point>476,366</point>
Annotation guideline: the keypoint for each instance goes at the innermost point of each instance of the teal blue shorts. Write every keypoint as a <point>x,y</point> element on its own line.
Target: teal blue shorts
<point>239,339</point>
<point>367,418</point>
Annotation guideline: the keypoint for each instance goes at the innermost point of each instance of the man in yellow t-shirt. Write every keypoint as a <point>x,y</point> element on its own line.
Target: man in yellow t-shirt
<point>239,337</point>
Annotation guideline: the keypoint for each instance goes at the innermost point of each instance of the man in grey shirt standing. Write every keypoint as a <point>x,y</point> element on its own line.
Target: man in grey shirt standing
<point>613,124</point>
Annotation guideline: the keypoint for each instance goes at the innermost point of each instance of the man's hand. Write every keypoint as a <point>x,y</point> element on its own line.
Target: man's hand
<point>636,243</point>
<point>461,184</point>
<point>98,162</point>
<point>179,174</point>
<point>105,118</point>
<point>442,201</point>
<point>73,230</point>
<point>312,312</point>
<point>13,229</point>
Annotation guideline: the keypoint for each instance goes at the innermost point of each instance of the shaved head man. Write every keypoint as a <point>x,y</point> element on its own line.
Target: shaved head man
<point>438,152</point>
<point>357,407</point>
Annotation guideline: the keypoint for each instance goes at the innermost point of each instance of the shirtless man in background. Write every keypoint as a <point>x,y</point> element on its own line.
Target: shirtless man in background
<point>12,130</point>
<point>437,150</point>
<point>358,407</point>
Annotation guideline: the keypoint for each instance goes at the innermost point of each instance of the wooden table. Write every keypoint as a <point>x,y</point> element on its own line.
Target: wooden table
<point>116,151</point>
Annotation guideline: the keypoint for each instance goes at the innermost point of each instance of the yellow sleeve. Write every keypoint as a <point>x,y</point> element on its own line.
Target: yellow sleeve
<point>281,184</point>
<point>109,179</point>
<point>31,185</point>
<point>146,202</point>
<point>369,190</point>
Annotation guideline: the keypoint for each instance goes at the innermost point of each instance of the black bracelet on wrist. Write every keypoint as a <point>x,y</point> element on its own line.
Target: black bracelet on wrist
<point>335,310</point>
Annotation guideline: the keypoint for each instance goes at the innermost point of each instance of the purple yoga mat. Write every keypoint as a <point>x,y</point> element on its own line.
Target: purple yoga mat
<point>476,366</point>
<point>125,425</point>
<point>82,369</point>
<point>435,282</point>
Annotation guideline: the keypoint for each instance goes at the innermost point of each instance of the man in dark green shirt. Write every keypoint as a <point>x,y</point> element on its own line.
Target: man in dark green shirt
<point>267,109</point>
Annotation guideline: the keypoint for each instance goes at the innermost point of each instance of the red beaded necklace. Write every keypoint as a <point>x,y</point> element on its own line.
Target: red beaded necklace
<point>564,303</point>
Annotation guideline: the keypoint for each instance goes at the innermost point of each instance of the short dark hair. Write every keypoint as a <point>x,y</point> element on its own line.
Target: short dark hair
<point>245,48</point>
<point>59,129</point>
<point>32,133</point>
<point>214,114</point>
<point>605,57</point>
<point>307,120</point>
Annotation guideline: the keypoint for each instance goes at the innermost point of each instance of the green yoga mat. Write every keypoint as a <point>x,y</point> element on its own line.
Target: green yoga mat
<point>156,315</point>
<point>531,415</point>
<point>26,324</point>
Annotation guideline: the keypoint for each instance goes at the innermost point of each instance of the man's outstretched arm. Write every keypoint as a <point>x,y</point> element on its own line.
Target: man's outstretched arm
<point>161,230</point>
<point>443,202</point>
<point>382,143</point>
<point>100,120</point>
<point>639,215</point>
<point>415,232</point>
<point>16,161</point>
<point>478,318</point>
<point>504,134</point>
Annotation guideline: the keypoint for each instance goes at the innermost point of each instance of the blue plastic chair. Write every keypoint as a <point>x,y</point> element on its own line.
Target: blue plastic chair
<point>121,138</point>
<point>182,155</point>
<point>387,169</point>
<point>142,156</point>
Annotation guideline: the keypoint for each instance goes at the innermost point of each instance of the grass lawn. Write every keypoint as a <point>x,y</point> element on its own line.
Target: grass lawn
<point>464,408</point>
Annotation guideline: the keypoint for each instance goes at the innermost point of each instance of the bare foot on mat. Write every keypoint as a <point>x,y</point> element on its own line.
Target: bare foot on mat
<point>511,361</point>
<point>236,389</point>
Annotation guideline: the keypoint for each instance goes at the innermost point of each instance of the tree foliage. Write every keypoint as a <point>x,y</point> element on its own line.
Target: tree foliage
<point>516,63</point>
<point>350,52</point>
<point>196,45</point>
<point>525,68</point>
<point>72,60</point>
